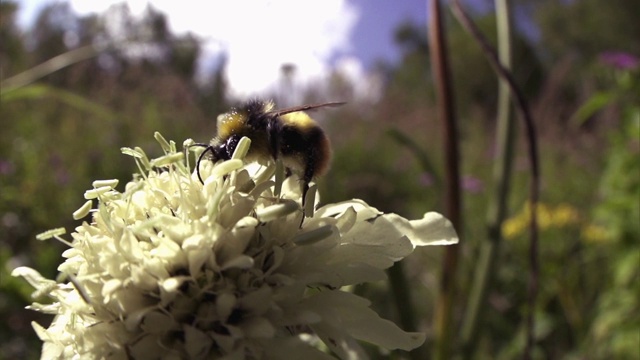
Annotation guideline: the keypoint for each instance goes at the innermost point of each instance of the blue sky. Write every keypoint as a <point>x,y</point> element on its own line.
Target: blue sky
<point>257,36</point>
<point>372,35</point>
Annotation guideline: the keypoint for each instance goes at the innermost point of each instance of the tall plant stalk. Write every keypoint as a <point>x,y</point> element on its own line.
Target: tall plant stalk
<point>438,53</point>
<point>489,249</point>
<point>402,298</point>
<point>50,66</point>
<point>534,187</point>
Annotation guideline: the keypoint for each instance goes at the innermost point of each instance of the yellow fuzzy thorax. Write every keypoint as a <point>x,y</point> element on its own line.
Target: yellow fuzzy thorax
<point>300,119</point>
<point>231,123</point>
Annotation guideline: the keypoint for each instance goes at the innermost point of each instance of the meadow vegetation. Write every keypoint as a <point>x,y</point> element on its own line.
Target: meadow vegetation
<point>580,72</point>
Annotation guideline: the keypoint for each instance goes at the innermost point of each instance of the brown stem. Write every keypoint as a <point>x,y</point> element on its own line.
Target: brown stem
<point>442,75</point>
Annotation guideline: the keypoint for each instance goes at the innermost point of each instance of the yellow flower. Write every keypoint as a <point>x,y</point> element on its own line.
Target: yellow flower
<point>595,234</point>
<point>549,217</point>
<point>566,215</point>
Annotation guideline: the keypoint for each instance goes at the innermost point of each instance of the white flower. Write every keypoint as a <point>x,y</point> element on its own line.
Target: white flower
<point>173,268</point>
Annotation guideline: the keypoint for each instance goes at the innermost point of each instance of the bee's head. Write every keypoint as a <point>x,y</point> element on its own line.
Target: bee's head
<point>251,114</point>
<point>257,106</point>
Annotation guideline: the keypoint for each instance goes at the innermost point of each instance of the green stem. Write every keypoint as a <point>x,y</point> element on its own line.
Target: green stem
<point>423,158</point>
<point>50,66</point>
<point>489,249</point>
<point>534,163</point>
<point>402,298</point>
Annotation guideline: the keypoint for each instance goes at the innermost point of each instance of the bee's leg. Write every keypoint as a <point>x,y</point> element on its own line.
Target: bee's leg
<point>200,145</point>
<point>200,158</point>
<point>306,179</point>
<point>301,220</point>
<point>220,152</point>
<point>186,150</point>
<point>273,135</point>
<point>305,190</point>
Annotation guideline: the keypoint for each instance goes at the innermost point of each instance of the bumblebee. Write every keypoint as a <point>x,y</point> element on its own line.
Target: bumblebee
<point>287,134</point>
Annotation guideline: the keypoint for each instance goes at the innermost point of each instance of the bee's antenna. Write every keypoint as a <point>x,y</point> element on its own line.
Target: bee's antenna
<point>207,148</point>
<point>306,108</point>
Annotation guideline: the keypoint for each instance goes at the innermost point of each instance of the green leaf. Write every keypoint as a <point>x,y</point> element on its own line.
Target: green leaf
<point>421,155</point>
<point>594,104</point>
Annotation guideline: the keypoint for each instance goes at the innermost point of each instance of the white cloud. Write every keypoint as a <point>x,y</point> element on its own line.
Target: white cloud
<point>258,36</point>
<point>367,86</point>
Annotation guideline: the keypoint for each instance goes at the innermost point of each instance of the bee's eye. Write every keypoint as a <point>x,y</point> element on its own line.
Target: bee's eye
<point>219,152</point>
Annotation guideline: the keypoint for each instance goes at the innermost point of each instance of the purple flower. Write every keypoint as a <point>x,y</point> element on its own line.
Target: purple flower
<point>619,60</point>
<point>6,167</point>
<point>472,184</point>
<point>426,179</point>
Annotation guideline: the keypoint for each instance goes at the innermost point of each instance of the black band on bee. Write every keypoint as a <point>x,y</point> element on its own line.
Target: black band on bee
<point>274,129</point>
<point>258,113</point>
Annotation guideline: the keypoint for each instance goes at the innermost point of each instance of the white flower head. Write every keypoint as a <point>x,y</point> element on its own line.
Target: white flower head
<point>173,268</point>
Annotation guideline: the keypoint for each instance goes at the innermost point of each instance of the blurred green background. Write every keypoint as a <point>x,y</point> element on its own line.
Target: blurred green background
<point>582,78</point>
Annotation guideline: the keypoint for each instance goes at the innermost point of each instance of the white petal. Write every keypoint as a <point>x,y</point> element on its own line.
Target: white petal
<point>197,258</point>
<point>352,315</point>
<point>225,167</point>
<point>281,209</point>
<point>225,304</point>
<point>384,333</point>
<point>34,278</point>
<point>83,210</point>
<point>145,348</point>
<point>109,288</point>
<point>234,242</point>
<point>347,220</point>
<point>258,327</point>
<point>52,350</point>
<point>167,249</point>
<point>227,344</point>
<point>173,283</point>
<point>363,209</point>
<point>298,316</point>
<point>369,244</point>
<point>234,209</point>
<point>432,229</point>
<point>197,343</point>
<point>291,348</point>
<point>41,331</point>
<point>194,242</point>
<point>382,236</point>
<point>133,320</point>
<point>240,262</point>
<point>157,322</point>
<point>313,236</point>
<point>112,183</point>
<point>340,275</point>
<point>257,302</point>
<point>52,309</point>
<point>340,342</point>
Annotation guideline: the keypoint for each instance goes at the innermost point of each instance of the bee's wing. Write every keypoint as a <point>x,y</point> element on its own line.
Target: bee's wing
<point>305,108</point>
